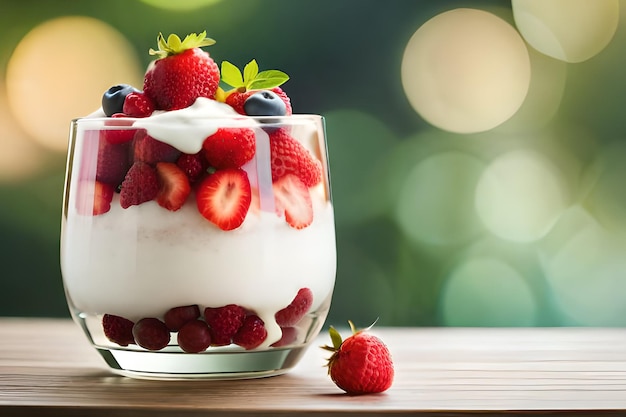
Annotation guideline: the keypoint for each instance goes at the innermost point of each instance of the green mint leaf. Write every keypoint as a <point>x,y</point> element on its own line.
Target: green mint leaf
<point>268,79</point>
<point>231,75</point>
<point>250,72</point>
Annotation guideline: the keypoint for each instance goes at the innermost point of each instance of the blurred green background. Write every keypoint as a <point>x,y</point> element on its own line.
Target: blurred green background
<point>477,148</point>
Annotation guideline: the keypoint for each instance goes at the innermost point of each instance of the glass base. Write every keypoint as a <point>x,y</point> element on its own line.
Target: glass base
<point>210,365</point>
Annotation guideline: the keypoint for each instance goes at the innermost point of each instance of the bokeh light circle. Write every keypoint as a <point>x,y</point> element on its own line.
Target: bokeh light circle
<point>59,71</point>
<point>520,196</point>
<point>180,5</point>
<point>485,291</point>
<point>466,71</point>
<point>436,201</point>
<point>584,265</point>
<point>569,30</point>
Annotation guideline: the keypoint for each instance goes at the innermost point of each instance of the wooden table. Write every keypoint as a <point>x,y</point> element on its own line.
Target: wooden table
<point>48,369</point>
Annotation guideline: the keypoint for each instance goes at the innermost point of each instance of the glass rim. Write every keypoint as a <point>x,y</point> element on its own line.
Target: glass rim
<point>237,117</point>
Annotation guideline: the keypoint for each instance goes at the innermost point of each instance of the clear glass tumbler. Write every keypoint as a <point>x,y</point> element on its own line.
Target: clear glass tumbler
<point>226,273</point>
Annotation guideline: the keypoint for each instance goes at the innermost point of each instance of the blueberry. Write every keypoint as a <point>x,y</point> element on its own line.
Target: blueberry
<point>265,103</point>
<point>113,98</point>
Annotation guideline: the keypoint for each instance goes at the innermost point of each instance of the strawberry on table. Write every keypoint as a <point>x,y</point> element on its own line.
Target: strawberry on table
<point>182,73</point>
<point>293,200</point>
<point>224,198</point>
<point>361,364</point>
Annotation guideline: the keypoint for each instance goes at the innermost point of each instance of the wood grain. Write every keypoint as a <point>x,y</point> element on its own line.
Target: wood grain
<point>47,368</point>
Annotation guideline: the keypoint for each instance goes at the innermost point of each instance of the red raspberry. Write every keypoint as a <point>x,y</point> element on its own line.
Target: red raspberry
<point>193,165</point>
<point>137,104</point>
<point>288,156</point>
<point>149,150</point>
<point>118,329</point>
<point>118,136</point>
<point>230,147</point>
<point>113,161</point>
<point>224,322</point>
<point>293,313</point>
<point>194,336</point>
<point>151,333</point>
<point>251,334</point>
<point>140,185</point>
<point>237,99</point>
<point>176,317</point>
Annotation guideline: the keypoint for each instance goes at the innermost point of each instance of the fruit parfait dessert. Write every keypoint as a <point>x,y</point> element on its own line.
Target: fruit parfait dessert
<point>198,236</point>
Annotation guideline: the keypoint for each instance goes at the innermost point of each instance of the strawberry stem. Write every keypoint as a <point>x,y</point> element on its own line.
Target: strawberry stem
<point>173,45</point>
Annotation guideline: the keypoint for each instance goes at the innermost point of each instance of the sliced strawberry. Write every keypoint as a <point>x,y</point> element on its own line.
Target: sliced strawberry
<point>150,150</point>
<point>93,197</point>
<point>294,201</point>
<point>224,198</point>
<point>174,186</point>
<point>193,165</point>
<point>299,306</point>
<point>230,147</point>
<point>288,156</point>
<point>140,185</point>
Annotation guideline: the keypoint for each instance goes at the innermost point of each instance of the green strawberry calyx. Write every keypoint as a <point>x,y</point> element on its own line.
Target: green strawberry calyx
<point>251,78</point>
<point>173,45</point>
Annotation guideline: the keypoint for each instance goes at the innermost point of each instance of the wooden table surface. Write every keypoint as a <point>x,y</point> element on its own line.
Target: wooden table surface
<point>47,368</point>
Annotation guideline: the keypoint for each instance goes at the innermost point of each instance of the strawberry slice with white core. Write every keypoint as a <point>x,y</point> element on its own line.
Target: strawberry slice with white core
<point>174,186</point>
<point>224,198</point>
<point>294,201</point>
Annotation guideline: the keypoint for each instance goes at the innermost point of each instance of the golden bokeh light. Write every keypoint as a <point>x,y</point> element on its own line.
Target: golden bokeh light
<point>19,157</point>
<point>180,5</point>
<point>59,71</point>
<point>436,202</point>
<point>521,195</point>
<point>569,30</point>
<point>466,71</point>
<point>489,292</point>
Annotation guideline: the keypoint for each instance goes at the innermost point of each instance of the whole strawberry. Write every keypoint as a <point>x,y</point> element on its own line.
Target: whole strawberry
<point>182,73</point>
<point>361,364</point>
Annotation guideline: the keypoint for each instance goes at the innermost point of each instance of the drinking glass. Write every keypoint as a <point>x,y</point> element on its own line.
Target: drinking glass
<point>130,271</point>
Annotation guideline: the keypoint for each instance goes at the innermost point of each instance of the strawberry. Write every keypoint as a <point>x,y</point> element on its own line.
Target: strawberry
<point>138,104</point>
<point>150,150</point>
<point>250,82</point>
<point>294,201</point>
<point>93,198</point>
<point>140,185</point>
<point>118,329</point>
<point>290,156</point>
<point>182,73</point>
<point>230,147</point>
<point>174,186</point>
<point>251,334</point>
<point>193,165</point>
<point>224,198</point>
<point>294,312</point>
<point>361,364</point>
<point>113,160</point>
<point>224,322</point>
